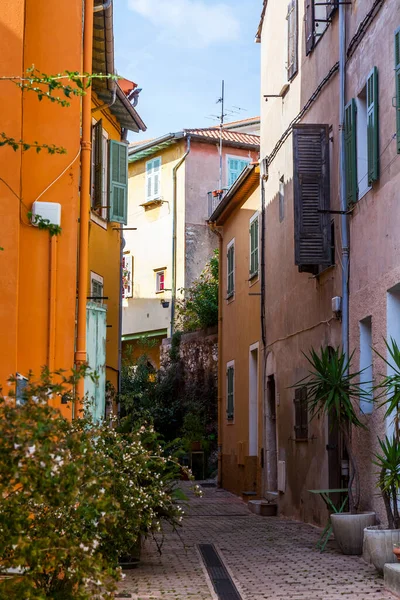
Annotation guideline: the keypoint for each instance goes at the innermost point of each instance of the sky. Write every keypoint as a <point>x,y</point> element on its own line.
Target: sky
<point>178,52</point>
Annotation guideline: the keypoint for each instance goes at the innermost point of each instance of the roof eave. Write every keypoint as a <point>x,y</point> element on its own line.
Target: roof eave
<point>260,25</point>
<point>138,152</point>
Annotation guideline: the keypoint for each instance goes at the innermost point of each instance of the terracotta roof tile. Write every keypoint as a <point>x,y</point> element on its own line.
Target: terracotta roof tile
<point>227,135</point>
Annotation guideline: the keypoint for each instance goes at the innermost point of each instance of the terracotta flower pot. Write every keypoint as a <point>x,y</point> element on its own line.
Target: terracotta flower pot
<point>396,551</point>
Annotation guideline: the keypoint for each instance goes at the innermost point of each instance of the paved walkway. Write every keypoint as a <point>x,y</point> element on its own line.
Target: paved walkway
<point>268,559</point>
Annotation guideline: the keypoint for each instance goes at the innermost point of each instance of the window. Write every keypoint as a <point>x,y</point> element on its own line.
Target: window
<point>230,391</point>
<point>160,281</point>
<point>97,287</point>
<point>254,244</point>
<point>21,383</point>
<point>127,276</point>
<point>317,15</point>
<point>397,75</point>
<point>311,197</point>
<point>153,179</point>
<point>99,168</point>
<point>235,167</point>
<point>293,31</point>
<point>301,414</point>
<point>281,199</point>
<point>362,140</point>
<point>366,403</point>
<point>230,274</point>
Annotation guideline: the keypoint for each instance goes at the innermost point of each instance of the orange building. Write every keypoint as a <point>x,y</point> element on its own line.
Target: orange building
<point>60,296</point>
<point>240,435</point>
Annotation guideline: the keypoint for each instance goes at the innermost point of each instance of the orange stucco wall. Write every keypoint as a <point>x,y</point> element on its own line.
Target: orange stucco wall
<point>241,329</point>
<point>30,33</point>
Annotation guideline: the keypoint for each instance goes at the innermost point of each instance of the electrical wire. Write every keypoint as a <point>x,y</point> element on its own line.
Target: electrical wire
<point>59,176</point>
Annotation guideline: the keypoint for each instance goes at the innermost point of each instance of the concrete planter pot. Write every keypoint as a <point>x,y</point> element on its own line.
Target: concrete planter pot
<point>378,546</point>
<point>349,530</point>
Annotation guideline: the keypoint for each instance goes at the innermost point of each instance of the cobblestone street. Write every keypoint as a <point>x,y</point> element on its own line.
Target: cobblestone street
<point>267,558</point>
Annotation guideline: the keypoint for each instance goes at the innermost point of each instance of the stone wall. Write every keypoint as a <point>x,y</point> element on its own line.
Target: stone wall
<point>197,349</point>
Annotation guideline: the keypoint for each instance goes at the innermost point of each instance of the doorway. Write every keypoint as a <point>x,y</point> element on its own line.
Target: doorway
<point>271,454</point>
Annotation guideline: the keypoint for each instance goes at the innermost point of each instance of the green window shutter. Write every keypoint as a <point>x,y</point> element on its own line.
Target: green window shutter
<point>373,126</point>
<point>397,75</point>
<point>235,167</point>
<point>118,182</point>
<point>97,160</point>
<point>254,247</point>
<point>230,393</point>
<point>149,180</point>
<point>231,271</point>
<point>350,141</point>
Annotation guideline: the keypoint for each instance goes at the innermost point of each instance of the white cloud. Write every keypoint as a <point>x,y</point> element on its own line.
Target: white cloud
<point>190,23</point>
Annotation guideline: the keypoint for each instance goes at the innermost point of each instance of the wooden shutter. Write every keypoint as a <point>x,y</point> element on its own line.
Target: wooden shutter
<point>156,177</point>
<point>311,194</point>
<point>97,149</point>
<point>118,182</point>
<point>373,126</point>
<point>397,75</point>
<point>331,7</point>
<point>292,62</point>
<point>309,22</point>
<point>350,142</point>
<point>231,270</point>
<point>254,247</point>
<point>301,414</point>
<point>230,374</point>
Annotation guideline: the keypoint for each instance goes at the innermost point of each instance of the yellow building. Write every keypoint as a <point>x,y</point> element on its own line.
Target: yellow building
<point>240,430</point>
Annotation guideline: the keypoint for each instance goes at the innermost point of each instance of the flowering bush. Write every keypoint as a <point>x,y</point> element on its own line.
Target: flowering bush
<point>73,496</point>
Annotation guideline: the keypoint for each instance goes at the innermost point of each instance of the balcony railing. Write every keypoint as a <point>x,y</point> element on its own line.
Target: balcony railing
<point>214,198</point>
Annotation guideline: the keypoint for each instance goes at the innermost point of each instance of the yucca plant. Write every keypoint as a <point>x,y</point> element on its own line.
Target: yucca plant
<point>388,459</point>
<point>333,389</point>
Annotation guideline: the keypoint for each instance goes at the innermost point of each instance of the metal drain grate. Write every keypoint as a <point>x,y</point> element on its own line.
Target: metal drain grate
<point>223,584</point>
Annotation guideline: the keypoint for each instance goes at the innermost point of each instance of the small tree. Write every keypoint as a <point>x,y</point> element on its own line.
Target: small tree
<point>332,389</point>
<point>199,309</point>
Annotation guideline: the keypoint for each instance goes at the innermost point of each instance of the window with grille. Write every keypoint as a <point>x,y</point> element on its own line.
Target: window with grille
<point>97,288</point>
<point>230,391</point>
<point>153,179</point>
<point>254,245</point>
<point>231,269</point>
<point>293,43</point>
<point>301,414</point>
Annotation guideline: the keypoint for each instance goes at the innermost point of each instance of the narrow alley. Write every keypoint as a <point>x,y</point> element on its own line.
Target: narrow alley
<point>267,558</point>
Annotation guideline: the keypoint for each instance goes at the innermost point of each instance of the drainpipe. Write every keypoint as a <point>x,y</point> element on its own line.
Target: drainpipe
<point>343,199</point>
<point>52,304</point>
<point>121,256</point>
<point>174,228</point>
<point>220,364</point>
<point>86,146</point>
<point>102,6</point>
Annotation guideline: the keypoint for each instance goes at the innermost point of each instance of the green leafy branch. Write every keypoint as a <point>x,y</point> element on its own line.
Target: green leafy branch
<point>42,223</point>
<point>5,140</point>
<point>45,85</point>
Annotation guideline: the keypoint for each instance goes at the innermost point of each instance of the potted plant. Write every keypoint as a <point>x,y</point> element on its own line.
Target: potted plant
<point>333,389</point>
<point>379,543</point>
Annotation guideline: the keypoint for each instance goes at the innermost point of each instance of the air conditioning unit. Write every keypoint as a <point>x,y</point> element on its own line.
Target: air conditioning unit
<point>51,211</point>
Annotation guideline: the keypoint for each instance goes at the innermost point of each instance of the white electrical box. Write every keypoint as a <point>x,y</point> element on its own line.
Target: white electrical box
<point>337,304</point>
<point>47,210</point>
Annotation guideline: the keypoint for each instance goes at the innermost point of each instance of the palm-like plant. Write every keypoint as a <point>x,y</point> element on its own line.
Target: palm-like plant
<point>388,460</point>
<point>333,389</point>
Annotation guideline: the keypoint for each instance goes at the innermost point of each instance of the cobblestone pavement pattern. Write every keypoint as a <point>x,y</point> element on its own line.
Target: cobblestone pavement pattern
<point>268,559</point>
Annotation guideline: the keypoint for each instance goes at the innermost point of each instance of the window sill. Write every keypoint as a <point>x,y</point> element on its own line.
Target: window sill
<point>230,297</point>
<point>253,278</point>
<point>153,203</point>
<point>96,218</point>
<point>160,291</point>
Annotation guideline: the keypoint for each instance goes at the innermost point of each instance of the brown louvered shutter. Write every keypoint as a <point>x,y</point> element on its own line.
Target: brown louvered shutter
<point>311,195</point>
<point>292,63</point>
<point>97,149</point>
<point>301,414</point>
<point>309,24</point>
